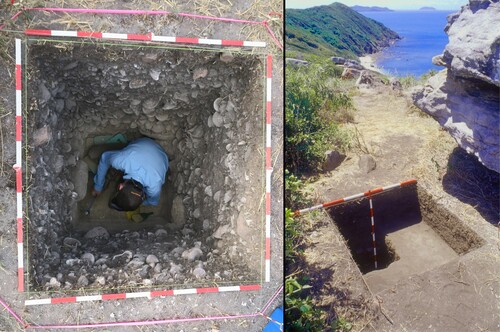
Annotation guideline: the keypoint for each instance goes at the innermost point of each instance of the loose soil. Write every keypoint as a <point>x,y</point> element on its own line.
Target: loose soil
<point>199,305</point>
<point>444,273</point>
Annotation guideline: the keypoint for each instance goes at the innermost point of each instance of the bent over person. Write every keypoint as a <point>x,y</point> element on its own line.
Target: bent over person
<point>144,164</point>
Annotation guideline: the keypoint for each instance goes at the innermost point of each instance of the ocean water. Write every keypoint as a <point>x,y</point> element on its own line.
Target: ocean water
<point>423,37</point>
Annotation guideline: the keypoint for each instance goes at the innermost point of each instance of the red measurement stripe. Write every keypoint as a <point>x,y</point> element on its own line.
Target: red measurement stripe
<point>249,287</point>
<point>38,32</point>
<point>89,34</point>
<point>18,77</point>
<point>408,182</point>
<point>268,157</point>
<point>20,279</point>
<point>63,300</point>
<point>186,40</point>
<point>268,248</point>
<point>207,290</point>
<point>373,191</point>
<point>373,229</point>
<point>338,201</point>
<point>269,66</point>
<point>114,296</point>
<point>232,42</point>
<point>268,112</point>
<point>19,180</point>
<point>162,293</point>
<point>132,36</point>
<point>371,213</point>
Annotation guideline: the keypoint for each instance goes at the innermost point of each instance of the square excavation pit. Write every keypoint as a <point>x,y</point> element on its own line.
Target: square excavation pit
<point>208,115</point>
<point>413,235</point>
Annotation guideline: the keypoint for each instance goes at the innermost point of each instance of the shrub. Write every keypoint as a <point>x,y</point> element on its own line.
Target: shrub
<point>312,96</point>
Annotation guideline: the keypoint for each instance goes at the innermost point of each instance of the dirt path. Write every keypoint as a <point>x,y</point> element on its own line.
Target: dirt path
<point>434,289</point>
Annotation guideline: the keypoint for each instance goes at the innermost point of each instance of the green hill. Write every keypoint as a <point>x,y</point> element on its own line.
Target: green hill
<point>334,30</point>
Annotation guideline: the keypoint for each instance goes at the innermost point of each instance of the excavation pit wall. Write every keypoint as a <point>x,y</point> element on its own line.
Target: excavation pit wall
<point>413,234</point>
<point>206,113</point>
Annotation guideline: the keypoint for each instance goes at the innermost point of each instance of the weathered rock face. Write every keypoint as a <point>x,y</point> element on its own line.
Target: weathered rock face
<point>464,99</point>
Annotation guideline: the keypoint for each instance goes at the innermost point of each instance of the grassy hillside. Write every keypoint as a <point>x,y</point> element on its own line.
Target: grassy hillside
<point>332,30</point>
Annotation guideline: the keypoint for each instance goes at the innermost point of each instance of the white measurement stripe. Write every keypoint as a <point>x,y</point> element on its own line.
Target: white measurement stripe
<point>138,294</point>
<point>108,35</point>
<point>268,270</point>
<point>35,302</point>
<point>60,33</point>
<point>229,288</point>
<point>163,39</point>
<point>268,89</point>
<point>20,255</point>
<point>184,291</point>
<point>210,41</point>
<point>247,43</point>
<point>88,298</point>
<point>349,198</point>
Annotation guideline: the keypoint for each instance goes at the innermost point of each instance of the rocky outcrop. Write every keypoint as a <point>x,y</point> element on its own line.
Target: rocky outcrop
<point>296,62</point>
<point>464,98</point>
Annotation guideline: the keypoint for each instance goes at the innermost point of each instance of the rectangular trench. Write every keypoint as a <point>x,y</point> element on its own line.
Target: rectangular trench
<point>413,234</point>
<point>207,113</point>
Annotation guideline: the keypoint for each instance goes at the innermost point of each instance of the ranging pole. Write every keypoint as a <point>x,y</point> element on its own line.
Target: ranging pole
<point>353,197</point>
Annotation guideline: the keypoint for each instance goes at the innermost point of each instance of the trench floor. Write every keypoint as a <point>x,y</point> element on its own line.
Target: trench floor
<point>419,248</point>
<point>115,221</point>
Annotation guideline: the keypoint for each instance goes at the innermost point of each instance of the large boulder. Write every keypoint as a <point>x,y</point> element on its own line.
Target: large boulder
<point>464,98</point>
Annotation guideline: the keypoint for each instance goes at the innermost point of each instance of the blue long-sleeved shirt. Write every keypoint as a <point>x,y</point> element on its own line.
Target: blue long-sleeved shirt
<point>142,160</point>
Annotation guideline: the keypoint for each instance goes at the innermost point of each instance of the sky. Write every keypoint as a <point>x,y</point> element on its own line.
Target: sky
<point>392,4</point>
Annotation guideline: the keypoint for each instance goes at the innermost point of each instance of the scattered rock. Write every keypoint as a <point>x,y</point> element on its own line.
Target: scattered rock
<point>192,254</point>
<point>226,57</point>
<point>333,159</point>
<point>296,62</point>
<point>366,163</point>
<point>221,231</point>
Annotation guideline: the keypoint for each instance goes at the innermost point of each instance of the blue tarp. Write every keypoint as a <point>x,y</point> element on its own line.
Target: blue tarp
<point>277,316</point>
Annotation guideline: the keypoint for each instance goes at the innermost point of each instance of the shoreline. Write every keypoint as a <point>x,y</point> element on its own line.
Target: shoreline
<point>368,61</point>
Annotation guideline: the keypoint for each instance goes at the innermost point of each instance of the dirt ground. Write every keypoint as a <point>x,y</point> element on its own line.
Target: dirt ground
<point>452,291</point>
<point>159,308</point>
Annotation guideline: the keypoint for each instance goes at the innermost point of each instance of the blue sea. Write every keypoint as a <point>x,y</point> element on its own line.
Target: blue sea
<point>423,37</point>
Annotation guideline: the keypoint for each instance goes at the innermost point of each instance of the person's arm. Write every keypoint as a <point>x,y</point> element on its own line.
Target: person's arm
<point>152,195</point>
<point>102,169</point>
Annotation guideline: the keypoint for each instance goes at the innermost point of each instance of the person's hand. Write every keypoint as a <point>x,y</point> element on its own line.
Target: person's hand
<point>95,193</point>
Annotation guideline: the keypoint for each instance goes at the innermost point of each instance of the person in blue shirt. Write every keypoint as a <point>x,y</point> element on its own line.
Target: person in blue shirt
<point>144,164</point>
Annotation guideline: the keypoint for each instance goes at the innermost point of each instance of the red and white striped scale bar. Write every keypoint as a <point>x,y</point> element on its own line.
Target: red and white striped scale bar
<point>18,169</point>
<point>146,37</point>
<point>372,217</point>
<point>149,295</point>
<point>269,167</point>
<point>350,198</point>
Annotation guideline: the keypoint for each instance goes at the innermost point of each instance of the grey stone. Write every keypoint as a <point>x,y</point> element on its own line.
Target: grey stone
<point>80,179</point>
<point>226,57</point>
<point>221,231</point>
<point>200,72</point>
<point>217,119</point>
<point>45,95</point>
<point>338,60</point>
<point>192,254</point>
<point>199,272</point>
<point>296,62</point>
<point>395,85</point>
<point>366,163</point>
<point>155,74</point>
<point>369,80</point>
<point>97,232</point>
<point>350,73</point>
<point>88,257</point>
<point>83,281</point>
<point>137,83</point>
<point>333,159</point>
<point>178,212</point>
<point>58,164</point>
<point>42,136</point>
<point>152,259</point>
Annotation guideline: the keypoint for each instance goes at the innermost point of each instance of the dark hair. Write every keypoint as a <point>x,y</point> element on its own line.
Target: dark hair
<point>129,197</point>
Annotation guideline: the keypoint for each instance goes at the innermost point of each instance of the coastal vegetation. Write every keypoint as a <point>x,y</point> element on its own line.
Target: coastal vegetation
<point>335,29</point>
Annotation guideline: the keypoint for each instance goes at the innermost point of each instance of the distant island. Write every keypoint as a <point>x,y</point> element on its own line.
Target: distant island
<point>427,8</point>
<point>371,9</point>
